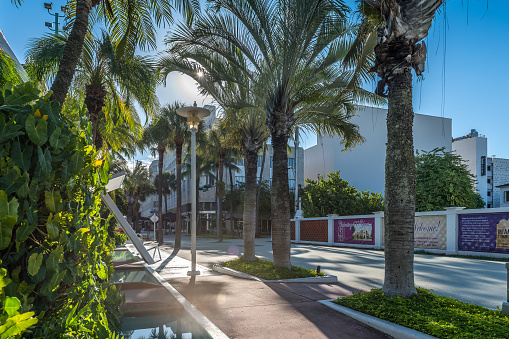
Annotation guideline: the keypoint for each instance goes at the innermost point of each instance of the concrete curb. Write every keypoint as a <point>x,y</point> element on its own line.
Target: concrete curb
<point>328,279</point>
<point>394,330</point>
<point>203,321</point>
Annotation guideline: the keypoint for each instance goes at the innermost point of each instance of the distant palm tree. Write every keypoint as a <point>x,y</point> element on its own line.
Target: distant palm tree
<point>106,81</point>
<point>292,52</point>
<point>137,187</point>
<point>169,185</point>
<point>398,51</point>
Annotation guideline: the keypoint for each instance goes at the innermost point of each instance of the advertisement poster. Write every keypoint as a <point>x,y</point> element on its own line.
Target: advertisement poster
<point>354,231</point>
<point>487,232</point>
<point>430,232</point>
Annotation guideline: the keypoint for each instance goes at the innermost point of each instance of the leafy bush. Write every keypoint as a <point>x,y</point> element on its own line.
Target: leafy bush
<point>442,179</point>
<point>52,239</point>
<point>265,269</point>
<point>120,238</point>
<point>336,196</point>
<point>431,314</point>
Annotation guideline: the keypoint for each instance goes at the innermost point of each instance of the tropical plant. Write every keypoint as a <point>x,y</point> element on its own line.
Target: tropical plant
<point>169,184</point>
<point>137,187</point>
<point>442,179</point>
<point>9,70</point>
<point>54,243</point>
<point>131,23</point>
<point>204,168</point>
<point>335,196</point>
<point>398,51</point>
<point>107,82</point>
<point>292,52</point>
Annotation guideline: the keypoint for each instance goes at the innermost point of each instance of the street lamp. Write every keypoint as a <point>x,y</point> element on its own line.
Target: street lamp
<point>193,115</point>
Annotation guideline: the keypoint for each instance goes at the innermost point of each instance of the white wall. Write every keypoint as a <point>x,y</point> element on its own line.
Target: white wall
<point>364,166</point>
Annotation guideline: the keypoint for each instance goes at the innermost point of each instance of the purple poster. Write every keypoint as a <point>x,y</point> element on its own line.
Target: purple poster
<point>354,231</point>
<point>487,232</point>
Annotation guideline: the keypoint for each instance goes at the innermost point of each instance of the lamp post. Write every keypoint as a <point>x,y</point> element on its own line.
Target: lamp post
<point>193,115</point>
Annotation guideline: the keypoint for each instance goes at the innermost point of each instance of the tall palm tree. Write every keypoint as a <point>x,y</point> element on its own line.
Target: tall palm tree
<point>109,80</point>
<point>169,185</point>
<point>292,52</point>
<point>132,23</point>
<point>157,138</point>
<point>398,51</point>
<point>137,187</point>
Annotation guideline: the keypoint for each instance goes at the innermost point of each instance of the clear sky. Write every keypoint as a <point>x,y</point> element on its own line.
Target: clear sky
<point>463,79</point>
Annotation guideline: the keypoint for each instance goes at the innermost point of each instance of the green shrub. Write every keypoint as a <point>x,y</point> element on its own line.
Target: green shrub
<point>265,269</point>
<point>52,239</point>
<point>120,238</point>
<point>431,314</point>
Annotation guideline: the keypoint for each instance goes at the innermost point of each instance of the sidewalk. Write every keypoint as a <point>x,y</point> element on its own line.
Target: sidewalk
<point>251,309</point>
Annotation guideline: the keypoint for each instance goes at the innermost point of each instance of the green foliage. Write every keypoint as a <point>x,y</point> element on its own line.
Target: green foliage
<point>443,180</point>
<point>336,196</point>
<point>265,269</point>
<point>431,314</point>
<point>238,199</point>
<point>120,238</point>
<point>52,238</point>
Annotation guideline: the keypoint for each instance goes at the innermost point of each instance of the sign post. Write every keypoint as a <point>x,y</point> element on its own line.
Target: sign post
<point>154,219</point>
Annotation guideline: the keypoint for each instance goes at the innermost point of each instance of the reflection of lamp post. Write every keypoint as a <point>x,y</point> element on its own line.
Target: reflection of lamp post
<point>193,115</point>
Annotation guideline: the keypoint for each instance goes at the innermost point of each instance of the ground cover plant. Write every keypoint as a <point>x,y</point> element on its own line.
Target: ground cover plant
<point>265,269</point>
<point>53,242</point>
<point>428,313</point>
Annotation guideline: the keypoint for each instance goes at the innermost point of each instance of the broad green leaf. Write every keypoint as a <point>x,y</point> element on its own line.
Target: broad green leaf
<point>52,228</point>
<point>24,289</point>
<point>37,133</point>
<point>8,130</point>
<point>17,325</point>
<point>102,273</point>
<point>4,280</point>
<point>24,190</point>
<point>34,263</point>
<point>44,159</point>
<point>12,180</point>
<point>54,259</point>
<point>50,284</point>
<point>24,231</point>
<point>22,157</point>
<point>58,141</point>
<point>31,213</point>
<point>76,164</point>
<point>6,225</point>
<point>11,306</point>
<point>8,207</point>
<point>53,201</point>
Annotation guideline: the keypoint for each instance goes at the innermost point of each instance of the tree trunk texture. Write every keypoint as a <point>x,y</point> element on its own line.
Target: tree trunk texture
<point>399,186</point>
<point>232,218</point>
<point>250,162</point>
<point>72,50</point>
<point>220,198</point>
<point>160,163</point>
<point>94,99</point>
<point>178,175</point>
<point>259,193</point>
<point>280,200</point>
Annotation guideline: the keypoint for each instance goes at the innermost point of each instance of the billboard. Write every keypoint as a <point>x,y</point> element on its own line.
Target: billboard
<point>486,232</point>
<point>354,231</point>
<point>430,232</point>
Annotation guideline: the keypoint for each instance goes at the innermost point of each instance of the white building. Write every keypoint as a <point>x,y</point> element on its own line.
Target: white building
<point>364,166</point>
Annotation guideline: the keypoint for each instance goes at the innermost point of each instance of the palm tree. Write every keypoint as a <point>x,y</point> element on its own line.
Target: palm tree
<point>131,23</point>
<point>137,187</point>
<point>398,51</point>
<point>169,184</point>
<point>291,52</point>
<point>157,138</point>
<point>109,80</point>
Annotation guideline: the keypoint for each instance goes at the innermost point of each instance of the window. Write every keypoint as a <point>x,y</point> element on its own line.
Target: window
<point>260,160</point>
<point>489,181</point>
<point>271,160</point>
<point>154,203</point>
<point>241,162</point>
<point>291,184</point>
<point>489,205</point>
<point>210,180</point>
<point>506,196</point>
<point>489,167</point>
<point>239,180</point>
<point>291,163</point>
<point>489,194</point>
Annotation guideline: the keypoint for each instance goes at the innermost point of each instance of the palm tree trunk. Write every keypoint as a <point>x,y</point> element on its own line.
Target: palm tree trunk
<point>160,239</point>
<point>72,50</point>
<point>232,218</point>
<point>399,187</point>
<point>250,162</point>
<point>259,193</point>
<point>178,217</point>
<point>220,198</point>
<point>280,201</point>
<point>94,99</point>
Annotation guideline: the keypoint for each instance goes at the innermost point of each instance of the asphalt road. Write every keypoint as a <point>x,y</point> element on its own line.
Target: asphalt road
<point>482,282</point>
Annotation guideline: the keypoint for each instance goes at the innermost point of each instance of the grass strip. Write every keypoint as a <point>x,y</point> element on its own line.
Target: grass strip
<point>428,313</point>
<point>265,269</point>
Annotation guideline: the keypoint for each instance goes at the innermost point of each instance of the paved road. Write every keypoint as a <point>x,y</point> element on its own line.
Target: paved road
<point>483,282</point>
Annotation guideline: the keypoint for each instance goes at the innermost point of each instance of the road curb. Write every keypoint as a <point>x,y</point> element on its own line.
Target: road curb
<point>392,329</point>
<point>328,279</point>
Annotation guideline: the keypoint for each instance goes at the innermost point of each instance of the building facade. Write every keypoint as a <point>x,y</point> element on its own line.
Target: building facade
<point>364,165</point>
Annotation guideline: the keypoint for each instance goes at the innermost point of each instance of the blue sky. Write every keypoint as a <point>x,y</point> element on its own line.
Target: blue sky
<point>463,80</point>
